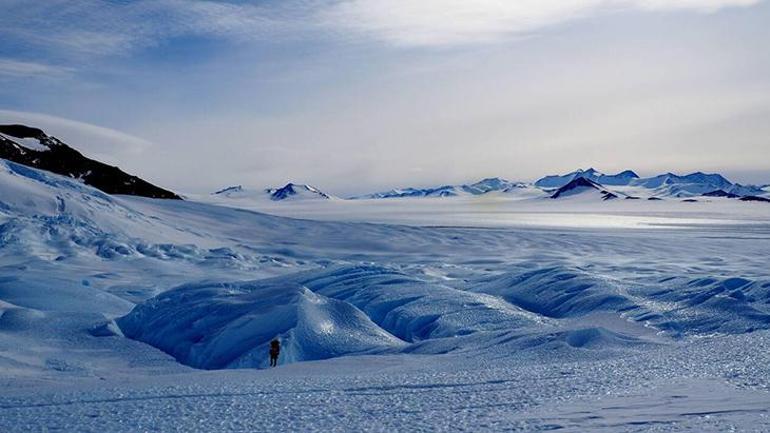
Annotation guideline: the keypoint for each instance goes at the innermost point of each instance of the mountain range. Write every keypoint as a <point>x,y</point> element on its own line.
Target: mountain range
<point>624,184</point>
<point>290,191</point>
<point>481,187</point>
<point>34,148</point>
<point>558,181</point>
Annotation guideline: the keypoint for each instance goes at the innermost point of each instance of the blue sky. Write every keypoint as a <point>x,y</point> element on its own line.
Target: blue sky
<point>358,95</point>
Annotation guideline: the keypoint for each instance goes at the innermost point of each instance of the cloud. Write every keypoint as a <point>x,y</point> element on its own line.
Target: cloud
<point>451,22</point>
<point>97,27</point>
<point>20,69</point>
<point>105,144</point>
<point>707,6</point>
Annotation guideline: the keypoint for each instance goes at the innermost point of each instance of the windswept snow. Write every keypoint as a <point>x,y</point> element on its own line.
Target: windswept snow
<point>230,325</point>
<point>486,313</point>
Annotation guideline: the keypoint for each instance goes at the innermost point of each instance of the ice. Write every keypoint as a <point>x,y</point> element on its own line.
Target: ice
<point>230,325</point>
<point>476,313</point>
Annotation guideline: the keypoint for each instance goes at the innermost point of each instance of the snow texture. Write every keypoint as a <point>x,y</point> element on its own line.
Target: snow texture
<point>487,312</point>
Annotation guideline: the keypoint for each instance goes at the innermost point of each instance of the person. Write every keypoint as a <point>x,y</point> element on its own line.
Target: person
<point>275,349</point>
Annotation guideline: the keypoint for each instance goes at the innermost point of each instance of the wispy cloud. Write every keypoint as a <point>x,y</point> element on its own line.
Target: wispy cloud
<point>450,22</point>
<point>20,69</point>
<point>97,27</point>
<point>105,144</point>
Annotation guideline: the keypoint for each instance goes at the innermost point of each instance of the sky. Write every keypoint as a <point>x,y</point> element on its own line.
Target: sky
<point>355,96</point>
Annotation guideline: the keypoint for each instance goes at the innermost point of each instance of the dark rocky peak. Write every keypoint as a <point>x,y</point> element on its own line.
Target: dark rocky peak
<point>50,154</point>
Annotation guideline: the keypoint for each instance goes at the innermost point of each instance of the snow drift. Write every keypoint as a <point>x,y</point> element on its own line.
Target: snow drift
<point>226,325</point>
<point>317,315</point>
<point>675,305</point>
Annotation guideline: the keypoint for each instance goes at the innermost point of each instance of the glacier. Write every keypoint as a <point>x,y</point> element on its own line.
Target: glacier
<point>485,312</point>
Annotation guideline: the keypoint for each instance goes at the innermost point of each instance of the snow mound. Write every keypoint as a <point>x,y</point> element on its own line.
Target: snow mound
<point>557,292</point>
<point>413,309</point>
<point>230,325</point>
<point>317,314</point>
<point>29,192</point>
<point>365,309</point>
<point>57,218</point>
<point>675,305</point>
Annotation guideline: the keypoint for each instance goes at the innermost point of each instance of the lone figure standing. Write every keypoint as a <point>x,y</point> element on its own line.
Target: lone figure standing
<point>275,350</point>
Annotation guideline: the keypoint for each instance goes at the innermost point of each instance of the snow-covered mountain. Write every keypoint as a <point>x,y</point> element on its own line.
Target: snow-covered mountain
<point>293,191</point>
<point>491,184</point>
<point>721,193</point>
<point>229,191</point>
<point>557,181</point>
<point>694,184</point>
<point>483,186</point>
<point>661,186</point>
<point>583,187</point>
<point>441,191</point>
<point>626,184</point>
<point>744,190</point>
<point>34,148</point>
<point>290,191</point>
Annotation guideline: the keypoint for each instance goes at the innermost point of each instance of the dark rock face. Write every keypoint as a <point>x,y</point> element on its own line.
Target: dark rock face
<point>720,193</point>
<point>229,190</point>
<point>755,198</point>
<point>292,189</point>
<point>57,157</point>
<point>21,131</point>
<point>582,182</point>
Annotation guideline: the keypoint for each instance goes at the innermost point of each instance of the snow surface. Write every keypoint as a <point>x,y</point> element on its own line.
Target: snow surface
<point>518,210</point>
<point>487,313</point>
<point>28,142</point>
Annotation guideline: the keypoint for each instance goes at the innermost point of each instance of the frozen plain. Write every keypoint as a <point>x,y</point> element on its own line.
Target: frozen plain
<point>576,315</point>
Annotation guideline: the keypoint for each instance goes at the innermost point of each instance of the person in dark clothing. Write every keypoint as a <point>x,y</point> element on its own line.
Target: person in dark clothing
<point>275,350</point>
